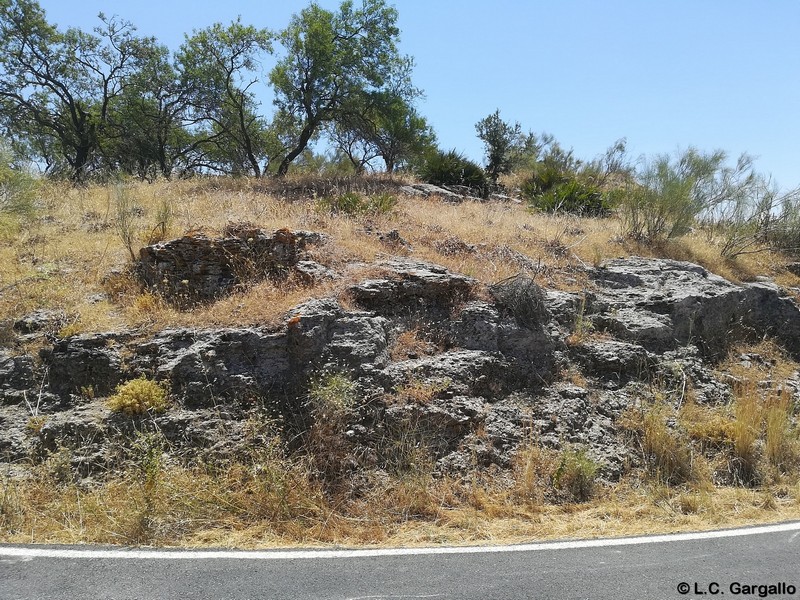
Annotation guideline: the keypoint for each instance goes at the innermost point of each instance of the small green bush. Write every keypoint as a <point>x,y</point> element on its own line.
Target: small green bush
<point>670,194</point>
<point>381,204</point>
<point>18,190</point>
<point>780,228</point>
<point>349,203</point>
<point>576,475</point>
<point>138,396</point>
<point>550,188</point>
<point>353,204</point>
<point>453,168</point>
<point>332,394</point>
<point>573,197</point>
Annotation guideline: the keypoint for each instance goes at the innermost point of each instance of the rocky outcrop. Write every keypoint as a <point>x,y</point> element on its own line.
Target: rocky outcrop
<point>492,374</point>
<point>427,189</point>
<point>662,304</point>
<point>41,321</point>
<point>196,267</point>
<point>611,360</point>
<point>413,288</point>
<point>88,365</point>
<point>455,193</point>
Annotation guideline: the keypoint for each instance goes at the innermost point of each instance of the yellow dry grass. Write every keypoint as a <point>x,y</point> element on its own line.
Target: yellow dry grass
<point>74,252</point>
<point>284,507</point>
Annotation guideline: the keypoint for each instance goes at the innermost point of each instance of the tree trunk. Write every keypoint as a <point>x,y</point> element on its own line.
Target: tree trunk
<point>247,142</point>
<point>79,165</point>
<point>302,143</point>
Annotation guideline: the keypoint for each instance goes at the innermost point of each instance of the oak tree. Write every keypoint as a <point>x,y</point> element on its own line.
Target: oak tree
<point>330,58</point>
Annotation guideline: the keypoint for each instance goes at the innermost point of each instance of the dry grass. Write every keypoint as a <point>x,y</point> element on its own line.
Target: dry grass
<point>668,456</point>
<point>753,442</point>
<point>277,503</point>
<point>414,343</point>
<point>75,254</point>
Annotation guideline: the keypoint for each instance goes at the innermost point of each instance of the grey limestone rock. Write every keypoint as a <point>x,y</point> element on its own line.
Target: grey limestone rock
<point>611,360</point>
<point>413,287</point>
<point>427,189</point>
<point>476,327</point>
<point>16,377</point>
<point>492,365</point>
<point>460,372</point>
<point>322,335</point>
<point>205,366</point>
<point>85,363</point>
<point>663,304</point>
<point>41,321</point>
<point>311,272</point>
<point>196,267</point>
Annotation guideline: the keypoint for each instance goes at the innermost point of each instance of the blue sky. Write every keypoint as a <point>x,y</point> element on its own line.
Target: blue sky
<point>665,75</point>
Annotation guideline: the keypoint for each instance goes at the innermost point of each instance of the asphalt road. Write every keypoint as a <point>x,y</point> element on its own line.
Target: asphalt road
<point>707,565</point>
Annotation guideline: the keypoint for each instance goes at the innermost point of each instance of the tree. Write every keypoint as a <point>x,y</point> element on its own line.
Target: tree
<point>146,131</point>
<point>218,66</point>
<point>59,86</point>
<point>402,135</point>
<point>332,57</point>
<point>507,147</point>
<point>382,124</point>
<point>499,138</point>
<point>350,141</point>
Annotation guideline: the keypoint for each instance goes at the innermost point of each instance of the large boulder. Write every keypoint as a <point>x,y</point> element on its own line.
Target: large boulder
<point>461,372</point>
<point>662,304</point>
<point>206,366</point>
<point>414,289</point>
<point>611,360</point>
<point>246,364</point>
<point>197,267</point>
<point>324,336</point>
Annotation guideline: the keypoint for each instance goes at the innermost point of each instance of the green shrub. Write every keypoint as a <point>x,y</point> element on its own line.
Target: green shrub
<point>651,214</point>
<point>353,204</point>
<point>381,204</point>
<point>779,225</point>
<point>138,396</point>
<point>576,475</point>
<point>505,144</point>
<point>575,197</point>
<point>18,190</point>
<point>453,168</point>
<point>671,193</point>
<point>550,188</point>
<point>332,394</point>
<point>349,203</point>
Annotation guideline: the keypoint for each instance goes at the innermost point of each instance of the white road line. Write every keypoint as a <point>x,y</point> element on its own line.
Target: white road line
<point>122,554</point>
<point>396,597</point>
